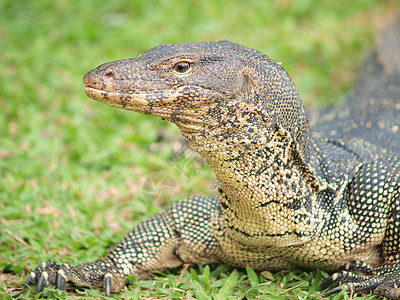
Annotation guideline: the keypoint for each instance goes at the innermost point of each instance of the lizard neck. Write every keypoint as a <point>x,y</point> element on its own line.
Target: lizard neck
<point>268,194</point>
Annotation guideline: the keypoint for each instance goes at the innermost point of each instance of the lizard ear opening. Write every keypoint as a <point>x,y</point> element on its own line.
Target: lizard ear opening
<point>244,89</point>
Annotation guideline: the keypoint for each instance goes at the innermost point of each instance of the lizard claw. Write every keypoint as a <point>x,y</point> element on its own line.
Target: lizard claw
<point>330,280</point>
<point>42,282</point>
<point>30,280</point>
<point>61,281</point>
<point>107,284</point>
<point>333,291</point>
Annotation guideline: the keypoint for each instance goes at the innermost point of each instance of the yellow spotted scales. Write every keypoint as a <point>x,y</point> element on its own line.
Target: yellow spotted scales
<point>294,192</point>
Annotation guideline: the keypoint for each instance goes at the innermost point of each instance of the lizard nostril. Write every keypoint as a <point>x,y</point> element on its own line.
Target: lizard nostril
<point>109,74</point>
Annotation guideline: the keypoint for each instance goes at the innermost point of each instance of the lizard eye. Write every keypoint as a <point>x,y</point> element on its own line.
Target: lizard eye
<point>182,67</point>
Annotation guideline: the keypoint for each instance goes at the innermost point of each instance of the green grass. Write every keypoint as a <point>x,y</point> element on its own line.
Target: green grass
<point>76,175</point>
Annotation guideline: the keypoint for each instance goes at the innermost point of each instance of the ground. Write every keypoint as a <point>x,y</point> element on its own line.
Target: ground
<point>76,175</point>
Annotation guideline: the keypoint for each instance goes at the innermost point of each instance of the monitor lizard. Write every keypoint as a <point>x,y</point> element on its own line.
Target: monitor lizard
<point>291,195</point>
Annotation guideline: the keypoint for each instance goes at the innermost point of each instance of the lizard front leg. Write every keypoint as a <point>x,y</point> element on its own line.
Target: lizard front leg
<point>180,234</point>
<point>380,207</point>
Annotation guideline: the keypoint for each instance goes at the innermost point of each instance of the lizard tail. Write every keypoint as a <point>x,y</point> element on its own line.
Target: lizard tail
<point>387,46</point>
<point>384,59</point>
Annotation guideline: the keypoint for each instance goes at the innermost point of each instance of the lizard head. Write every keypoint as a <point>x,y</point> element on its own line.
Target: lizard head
<point>201,87</point>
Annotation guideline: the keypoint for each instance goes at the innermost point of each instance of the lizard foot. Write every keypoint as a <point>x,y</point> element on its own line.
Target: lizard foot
<point>99,274</point>
<point>363,279</point>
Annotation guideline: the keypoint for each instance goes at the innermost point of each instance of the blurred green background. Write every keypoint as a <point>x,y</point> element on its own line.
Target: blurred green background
<point>75,175</point>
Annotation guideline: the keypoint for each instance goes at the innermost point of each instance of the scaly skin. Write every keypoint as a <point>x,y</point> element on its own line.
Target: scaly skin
<point>290,196</point>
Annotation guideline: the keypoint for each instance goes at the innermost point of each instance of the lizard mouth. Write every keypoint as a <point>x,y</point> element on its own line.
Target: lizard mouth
<point>131,101</point>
